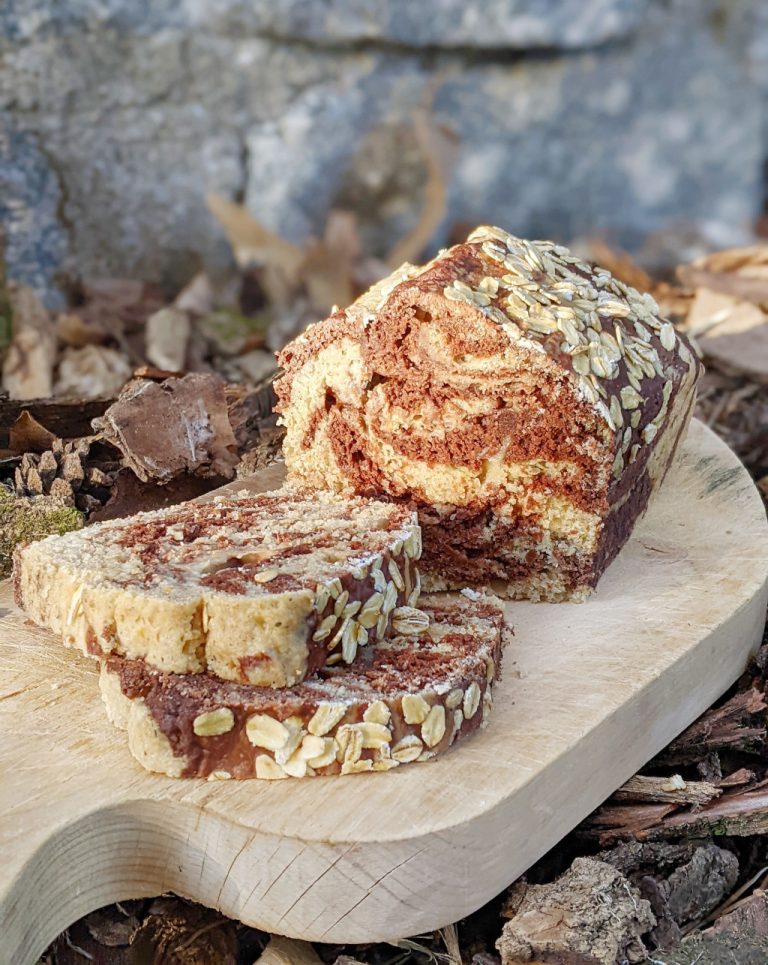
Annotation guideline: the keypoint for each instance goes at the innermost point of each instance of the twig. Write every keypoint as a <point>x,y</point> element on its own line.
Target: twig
<point>76,948</point>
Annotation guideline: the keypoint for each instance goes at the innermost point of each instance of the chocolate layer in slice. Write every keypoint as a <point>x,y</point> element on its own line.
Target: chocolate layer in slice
<point>409,698</point>
<point>523,402</point>
<point>259,589</point>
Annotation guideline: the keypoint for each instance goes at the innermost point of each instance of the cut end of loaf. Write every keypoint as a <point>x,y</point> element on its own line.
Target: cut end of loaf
<point>523,402</point>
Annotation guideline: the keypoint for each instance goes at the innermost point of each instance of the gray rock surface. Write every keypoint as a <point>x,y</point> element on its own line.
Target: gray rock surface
<point>34,239</point>
<point>116,118</point>
<point>515,24</point>
<point>627,140</point>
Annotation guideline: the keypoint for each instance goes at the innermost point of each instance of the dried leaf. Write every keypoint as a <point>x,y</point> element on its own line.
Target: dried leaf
<point>91,372</point>
<point>28,435</point>
<point>328,266</point>
<point>620,264</point>
<point>74,330</point>
<point>167,337</point>
<point>733,334</point>
<point>196,297</point>
<point>438,147</point>
<point>115,306</point>
<point>169,428</point>
<point>741,273</point>
<point>253,243</point>
<point>28,366</point>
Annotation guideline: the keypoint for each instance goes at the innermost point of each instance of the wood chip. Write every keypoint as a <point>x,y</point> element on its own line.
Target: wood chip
<point>174,427</point>
<point>660,789</point>
<point>59,416</point>
<point>741,273</point>
<point>591,915</point>
<point>166,338</point>
<point>288,951</point>
<point>91,372</point>
<point>28,367</point>
<point>728,726</point>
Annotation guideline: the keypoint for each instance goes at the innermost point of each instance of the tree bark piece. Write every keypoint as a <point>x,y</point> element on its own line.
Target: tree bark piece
<point>739,813</point>
<point>700,885</point>
<point>591,915</point>
<point>174,427</point>
<point>725,727</point>
<point>738,938</point>
<point>737,779</point>
<point>67,420</point>
<point>667,790</point>
<point>613,823</point>
<point>682,882</point>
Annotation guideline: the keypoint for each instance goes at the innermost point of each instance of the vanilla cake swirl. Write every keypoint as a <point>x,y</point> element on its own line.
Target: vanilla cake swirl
<point>523,402</point>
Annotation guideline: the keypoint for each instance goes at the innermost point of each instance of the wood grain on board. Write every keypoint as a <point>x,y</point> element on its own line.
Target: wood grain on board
<point>590,692</point>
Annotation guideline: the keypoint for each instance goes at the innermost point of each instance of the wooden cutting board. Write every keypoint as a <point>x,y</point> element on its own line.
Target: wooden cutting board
<point>590,693</point>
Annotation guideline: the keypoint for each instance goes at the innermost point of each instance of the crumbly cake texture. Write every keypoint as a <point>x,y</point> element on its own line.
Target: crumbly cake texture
<point>409,699</point>
<point>525,403</point>
<point>258,589</point>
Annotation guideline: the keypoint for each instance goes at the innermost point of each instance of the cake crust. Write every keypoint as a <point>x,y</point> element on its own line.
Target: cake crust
<point>524,403</point>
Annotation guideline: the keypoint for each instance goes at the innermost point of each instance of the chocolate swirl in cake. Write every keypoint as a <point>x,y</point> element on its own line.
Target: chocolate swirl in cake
<point>523,402</point>
<point>412,698</point>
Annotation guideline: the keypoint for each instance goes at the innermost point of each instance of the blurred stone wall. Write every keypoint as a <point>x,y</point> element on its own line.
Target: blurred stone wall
<point>569,117</point>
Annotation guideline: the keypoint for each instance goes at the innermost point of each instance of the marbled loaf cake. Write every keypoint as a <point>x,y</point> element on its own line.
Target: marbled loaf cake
<point>408,699</point>
<point>259,589</point>
<point>524,403</point>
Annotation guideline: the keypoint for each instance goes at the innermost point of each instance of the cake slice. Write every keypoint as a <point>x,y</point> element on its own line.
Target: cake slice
<point>410,698</point>
<point>525,403</point>
<point>260,589</point>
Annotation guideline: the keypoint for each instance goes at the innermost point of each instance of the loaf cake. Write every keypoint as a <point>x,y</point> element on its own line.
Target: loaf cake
<point>523,402</point>
<point>409,699</point>
<point>258,589</point>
